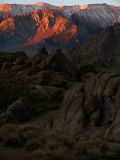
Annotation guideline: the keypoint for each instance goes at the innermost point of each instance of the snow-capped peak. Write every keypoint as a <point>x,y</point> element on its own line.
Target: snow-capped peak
<point>98,10</point>
<point>21,9</point>
<point>17,9</point>
<point>67,11</point>
<point>44,5</point>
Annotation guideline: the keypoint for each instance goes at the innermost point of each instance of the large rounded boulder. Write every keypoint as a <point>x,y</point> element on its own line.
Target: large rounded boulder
<point>71,117</point>
<point>20,110</point>
<point>87,104</point>
<point>41,54</point>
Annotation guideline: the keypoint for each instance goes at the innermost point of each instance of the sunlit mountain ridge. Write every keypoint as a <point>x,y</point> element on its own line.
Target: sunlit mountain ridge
<point>28,27</point>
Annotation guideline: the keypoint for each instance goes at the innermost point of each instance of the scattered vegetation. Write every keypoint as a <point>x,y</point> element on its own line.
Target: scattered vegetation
<point>93,148</point>
<point>57,154</point>
<point>49,145</point>
<point>43,144</point>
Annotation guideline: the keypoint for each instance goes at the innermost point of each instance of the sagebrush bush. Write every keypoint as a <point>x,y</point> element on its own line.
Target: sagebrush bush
<point>9,135</point>
<point>30,133</point>
<point>59,154</point>
<point>13,140</point>
<point>33,144</point>
<point>41,143</point>
<point>68,141</point>
<point>93,148</point>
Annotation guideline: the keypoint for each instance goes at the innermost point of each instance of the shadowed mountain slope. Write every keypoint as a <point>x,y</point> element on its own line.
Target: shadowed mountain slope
<point>101,49</point>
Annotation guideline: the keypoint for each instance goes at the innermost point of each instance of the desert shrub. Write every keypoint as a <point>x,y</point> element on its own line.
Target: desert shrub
<point>17,136</point>
<point>93,148</point>
<point>52,144</point>
<point>9,136</point>
<point>62,152</point>
<point>33,144</point>
<point>50,155</point>
<point>42,139</point>
<point>68,141</point>
<point>40,154</point>
<point>7,129</point>
<point>29,133</point>
<point>13,140</point>
<point>45,144</point>
<point>81,147</point>
<point>94,152</point>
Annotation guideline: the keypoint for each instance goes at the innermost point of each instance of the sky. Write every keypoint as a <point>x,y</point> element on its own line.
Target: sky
<point>63,2</point>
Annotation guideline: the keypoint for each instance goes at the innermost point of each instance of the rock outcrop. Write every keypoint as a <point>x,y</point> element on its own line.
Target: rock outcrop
<point>39,56</point>
<point>19,111</point>
<point>94,102</point>
<point>48,74</point>
<point>57,62</point>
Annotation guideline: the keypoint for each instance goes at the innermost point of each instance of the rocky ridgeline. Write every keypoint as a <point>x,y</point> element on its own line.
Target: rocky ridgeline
<point>101,49</point>
<point>48,74</point>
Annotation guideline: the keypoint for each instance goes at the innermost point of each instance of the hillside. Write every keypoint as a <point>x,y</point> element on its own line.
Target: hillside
<point>101,49</point>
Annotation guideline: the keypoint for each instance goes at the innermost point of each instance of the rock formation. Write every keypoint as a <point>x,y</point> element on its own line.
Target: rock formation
<point>19,111</point>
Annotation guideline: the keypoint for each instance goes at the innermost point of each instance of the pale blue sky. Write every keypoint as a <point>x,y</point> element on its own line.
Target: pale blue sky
<point>63,2</point>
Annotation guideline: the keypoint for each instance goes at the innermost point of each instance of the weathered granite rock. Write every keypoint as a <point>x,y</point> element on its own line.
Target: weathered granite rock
<point>71,117</point>
<point>19,111</point>
<point>57,62</point>
<point>39,56</point>
<point>19,61</point>
<point>53,78</point>
<point>93,102</point>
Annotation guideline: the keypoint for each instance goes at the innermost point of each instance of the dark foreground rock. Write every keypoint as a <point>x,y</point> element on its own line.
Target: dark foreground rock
<point>94,102</point>
<point>39,56</point>
<point>20,110</point>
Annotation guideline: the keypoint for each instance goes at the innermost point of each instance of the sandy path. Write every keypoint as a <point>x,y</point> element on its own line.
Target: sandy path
<point>42,120</point>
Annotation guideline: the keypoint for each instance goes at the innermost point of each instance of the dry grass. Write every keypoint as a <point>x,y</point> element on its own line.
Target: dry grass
<point>93,148</point>
<point>58,154</point>
<point>40,143</point>
<point>33,144</point>
<point>47,144</point>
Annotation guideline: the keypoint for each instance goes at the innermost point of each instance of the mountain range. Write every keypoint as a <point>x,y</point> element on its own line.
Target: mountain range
<point>28,27</point>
